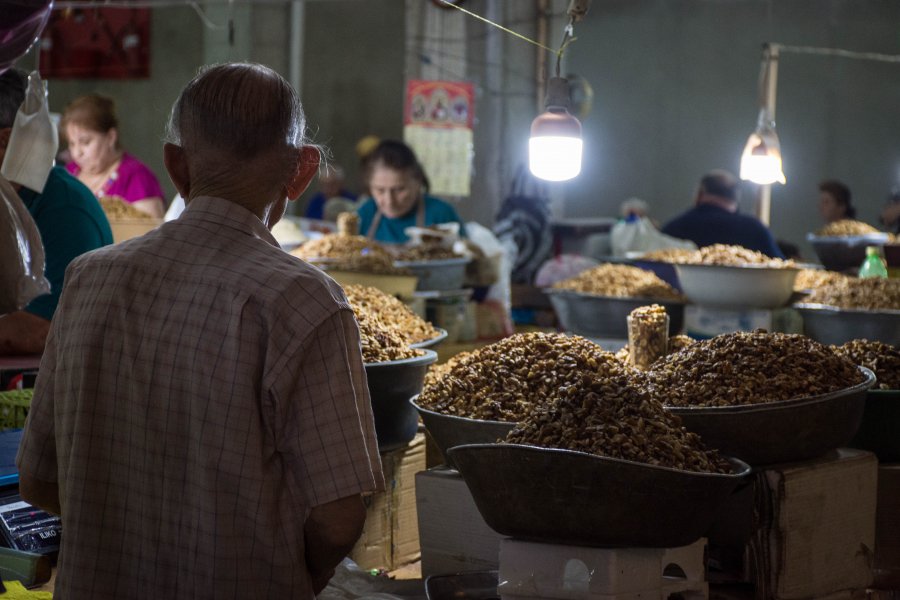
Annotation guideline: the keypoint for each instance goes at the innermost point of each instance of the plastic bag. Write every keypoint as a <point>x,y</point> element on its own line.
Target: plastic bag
<point>352,583</point>
<point>33,141</point>
<point>562,267</point>
<point>639,235</point>
<point>493,269</point>
<point>21,253</point>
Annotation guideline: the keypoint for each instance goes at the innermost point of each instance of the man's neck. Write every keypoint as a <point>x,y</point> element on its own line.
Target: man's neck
<point>717,201</point>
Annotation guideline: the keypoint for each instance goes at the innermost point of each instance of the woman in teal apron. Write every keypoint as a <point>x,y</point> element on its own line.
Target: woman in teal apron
<point>399,196</point>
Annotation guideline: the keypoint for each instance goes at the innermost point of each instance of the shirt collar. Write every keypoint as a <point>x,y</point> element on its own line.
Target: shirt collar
<point>228,214</point>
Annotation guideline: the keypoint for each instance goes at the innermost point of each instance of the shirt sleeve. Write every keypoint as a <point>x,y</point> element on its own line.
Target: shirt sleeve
<point>326,431</point>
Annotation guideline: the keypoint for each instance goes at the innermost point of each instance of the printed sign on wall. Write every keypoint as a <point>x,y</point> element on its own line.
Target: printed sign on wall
<point>437,119</point>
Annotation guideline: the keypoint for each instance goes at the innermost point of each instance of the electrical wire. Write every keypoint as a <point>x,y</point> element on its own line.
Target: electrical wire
<point>892,58</point>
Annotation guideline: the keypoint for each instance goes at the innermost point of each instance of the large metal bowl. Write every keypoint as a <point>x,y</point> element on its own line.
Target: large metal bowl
<point>880,428</point>
<point>448,431</point>
<point>739,287</point>
<point>604,317</point>
<point>433,342</point>
<point>777,432</point>
<point>443,274</point>
<point>566,497</point>
<point>832,325</point>
<point>391,385</point>
<point>844,253</point>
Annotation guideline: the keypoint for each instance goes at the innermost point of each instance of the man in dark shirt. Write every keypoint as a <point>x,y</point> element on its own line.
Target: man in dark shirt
<point>69,219</point>
<point>715,219</point>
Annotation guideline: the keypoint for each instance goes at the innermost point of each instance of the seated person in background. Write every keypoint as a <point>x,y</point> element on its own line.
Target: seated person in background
<point>400,199</point>
<point>69,220</point>
<point>890,215</point>
<point>715,219</point>
<point>98,161</point>
<point>835,201</point>
<point>331,185</point>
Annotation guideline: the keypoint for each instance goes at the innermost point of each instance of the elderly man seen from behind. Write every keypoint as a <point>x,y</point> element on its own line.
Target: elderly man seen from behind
<point>714,218</point>
<point>201,419</point>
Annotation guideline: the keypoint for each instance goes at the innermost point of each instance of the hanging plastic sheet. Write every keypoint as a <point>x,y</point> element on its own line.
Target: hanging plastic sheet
<point>21,253</point>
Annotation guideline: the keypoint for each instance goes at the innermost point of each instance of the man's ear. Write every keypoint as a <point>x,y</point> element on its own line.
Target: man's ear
<point>177,166</point>
<point>307,167</point>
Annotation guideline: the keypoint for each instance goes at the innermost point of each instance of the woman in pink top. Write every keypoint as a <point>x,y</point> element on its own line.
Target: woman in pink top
<point>98,161</point>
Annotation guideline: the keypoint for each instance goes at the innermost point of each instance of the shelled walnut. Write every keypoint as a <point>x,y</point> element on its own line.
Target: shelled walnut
<point>668,255</point>
<point>883,359</point>
<point>391,312</point>
<point>676,343</point>
<point>116,207</point>
<point>734,256</point>
<point>810,279</point>
<point>871,293</point>
<point>648,335</point>
<point>750,368</point>
<point>507,380</point>
<point>380,343</point>
<point>846,227</point>
<point>620,281</point>
<point>616,420</point>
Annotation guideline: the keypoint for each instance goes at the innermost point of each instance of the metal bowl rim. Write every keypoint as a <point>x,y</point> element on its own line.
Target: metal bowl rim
<point>739,268</point>
<point>848,240</point>
<point>414,402</point>
<point>441,262</point>
<point>429,357</point>
<point>744,468</point>
<point>778,404</point>
<point>630,299</point>
<point>821,309</point>
<point>424,344</point>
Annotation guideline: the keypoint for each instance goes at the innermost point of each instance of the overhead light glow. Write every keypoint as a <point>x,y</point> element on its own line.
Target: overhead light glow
<point>761,160</point>
<point>555,146</point>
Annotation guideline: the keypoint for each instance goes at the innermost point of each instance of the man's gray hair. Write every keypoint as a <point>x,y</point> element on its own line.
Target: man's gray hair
<point>13,84</point>
<point>243,109</point>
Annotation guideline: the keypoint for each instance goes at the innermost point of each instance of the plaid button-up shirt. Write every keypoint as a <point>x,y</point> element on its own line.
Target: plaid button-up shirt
<point>200,391</point>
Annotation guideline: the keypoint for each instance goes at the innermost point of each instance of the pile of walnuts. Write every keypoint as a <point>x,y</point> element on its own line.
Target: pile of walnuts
<point>871,293</point>
<point>391,312</point>
<point>883,359</point>
<point>750,368</point>
<point>621,281</point>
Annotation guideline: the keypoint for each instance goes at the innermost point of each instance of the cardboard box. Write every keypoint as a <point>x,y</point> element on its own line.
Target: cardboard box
<point>535,570</point>
<point>390,538</point>
<point>704,322</point>
<point>816,526</point>
<point>125,229</point>
<point>887,529</point>
<point>452,533</point>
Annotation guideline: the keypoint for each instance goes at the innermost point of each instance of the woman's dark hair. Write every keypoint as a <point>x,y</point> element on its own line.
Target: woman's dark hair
<point>398,156</point>
<point>94,112</point>
<point>841,194</point>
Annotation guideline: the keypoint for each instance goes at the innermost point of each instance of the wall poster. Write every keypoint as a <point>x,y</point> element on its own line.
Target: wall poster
<point>437,124</point>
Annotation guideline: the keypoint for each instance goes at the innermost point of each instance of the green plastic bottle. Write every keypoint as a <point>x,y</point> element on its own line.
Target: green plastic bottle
<point>874,265</point>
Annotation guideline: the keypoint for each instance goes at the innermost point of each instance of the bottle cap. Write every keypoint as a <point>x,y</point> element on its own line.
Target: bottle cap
<point>870,250</point>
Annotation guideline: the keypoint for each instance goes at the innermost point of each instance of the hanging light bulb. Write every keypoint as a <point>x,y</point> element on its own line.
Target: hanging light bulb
<point>761,160</point>
<point>555,146</point>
